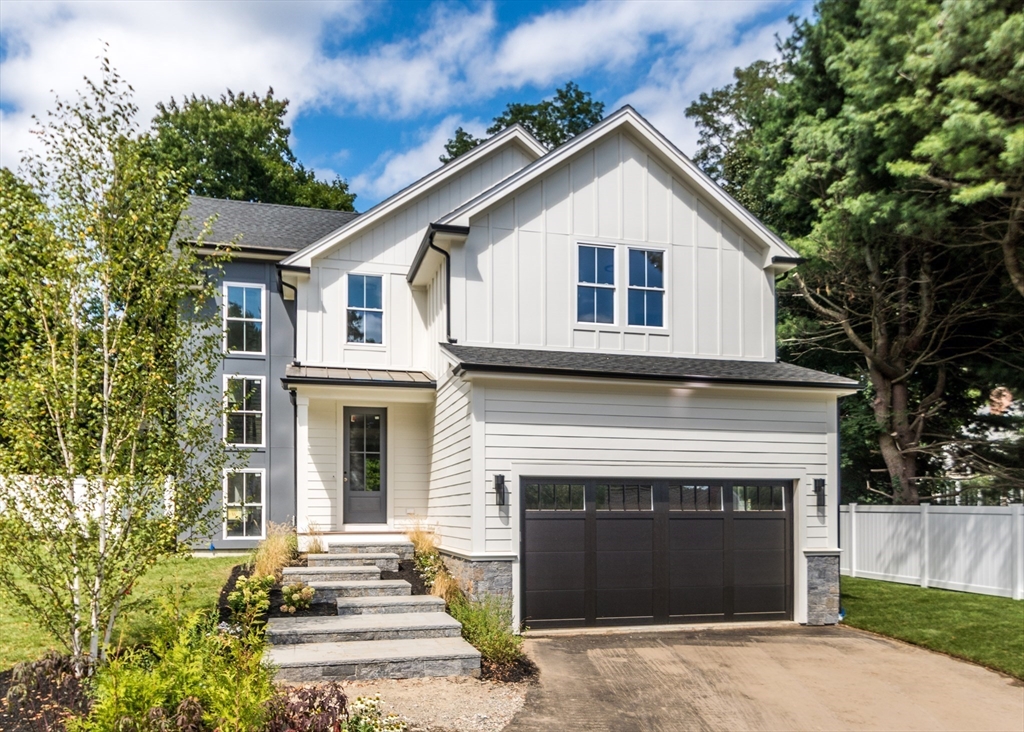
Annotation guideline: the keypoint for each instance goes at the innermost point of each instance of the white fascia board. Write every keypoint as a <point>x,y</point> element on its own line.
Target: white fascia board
<point>629,118</point>
<point>510,135</point>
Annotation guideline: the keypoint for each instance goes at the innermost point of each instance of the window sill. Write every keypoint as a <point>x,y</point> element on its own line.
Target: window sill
<point>244,354</point>
<point>366,346</point>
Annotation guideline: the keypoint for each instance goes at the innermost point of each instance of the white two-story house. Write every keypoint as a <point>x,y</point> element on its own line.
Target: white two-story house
<point>564,363</point>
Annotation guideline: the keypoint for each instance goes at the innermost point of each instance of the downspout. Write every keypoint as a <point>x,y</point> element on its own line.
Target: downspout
<point>447,286</point>
<point>281,284</point>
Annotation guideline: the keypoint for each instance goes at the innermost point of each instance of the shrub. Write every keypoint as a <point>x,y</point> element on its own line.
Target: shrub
<point>297,596</point>
<point>325,708</point>
<point>205,679</point>
<point>428,566</point>
<point>251,599</point>
<point>275,552</point>
<point>487,626</point>
<point>42,694</point>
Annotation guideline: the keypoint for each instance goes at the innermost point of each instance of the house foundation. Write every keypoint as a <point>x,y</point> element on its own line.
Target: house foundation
<point>823,589</point>
<point>480,577</point>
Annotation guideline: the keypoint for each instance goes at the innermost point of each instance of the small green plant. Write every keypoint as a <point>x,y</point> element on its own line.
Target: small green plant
<point>366,714</point>
<point>428,566</point>
<point>205,678</point>
<point>487,626</point>
<point>251,598</point>
<point>298,596</point>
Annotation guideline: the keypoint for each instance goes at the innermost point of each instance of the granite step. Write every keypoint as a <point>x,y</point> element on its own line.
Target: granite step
<point>380,659</point>
<point>385,561</point>
<point>344,628</point>
<point>330,591</point>
<point>395,604</point>
<point>330,574</point>
<point>402,547</point>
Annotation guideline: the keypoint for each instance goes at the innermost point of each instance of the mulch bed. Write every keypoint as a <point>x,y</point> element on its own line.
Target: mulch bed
<point>407,573</point>
<point>509,673</point>
<point>39,696</point>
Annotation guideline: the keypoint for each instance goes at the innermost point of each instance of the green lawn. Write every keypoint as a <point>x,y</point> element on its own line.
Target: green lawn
<point>980,628</point>
<point>190,584</point>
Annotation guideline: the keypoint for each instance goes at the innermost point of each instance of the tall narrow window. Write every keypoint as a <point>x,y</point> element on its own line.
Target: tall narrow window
<point>243,318</point>
<point>595,291</point>
<point>244,419</point>
<point>243,505</point>
<point>646,288</point>
<point>365,309</point>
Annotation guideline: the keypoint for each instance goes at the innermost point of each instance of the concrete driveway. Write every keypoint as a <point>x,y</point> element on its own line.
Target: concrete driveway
<point>763,677</point>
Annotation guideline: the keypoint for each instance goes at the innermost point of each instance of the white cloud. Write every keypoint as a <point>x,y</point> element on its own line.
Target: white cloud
<point>456,55</point>
<point>393,171</point>
<point>164,49</point>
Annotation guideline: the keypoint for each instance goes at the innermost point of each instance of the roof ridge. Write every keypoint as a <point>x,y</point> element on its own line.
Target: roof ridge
<point>276,205</point>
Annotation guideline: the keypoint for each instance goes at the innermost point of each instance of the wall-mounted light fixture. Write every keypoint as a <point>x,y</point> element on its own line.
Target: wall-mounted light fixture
<point>500,492</point>
<point>819,490</point>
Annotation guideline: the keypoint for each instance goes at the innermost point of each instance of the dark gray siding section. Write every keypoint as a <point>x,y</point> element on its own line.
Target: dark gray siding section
<point>277,457</point>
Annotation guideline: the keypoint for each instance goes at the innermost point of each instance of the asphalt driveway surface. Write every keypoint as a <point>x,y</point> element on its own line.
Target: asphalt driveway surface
<point>768,677</point>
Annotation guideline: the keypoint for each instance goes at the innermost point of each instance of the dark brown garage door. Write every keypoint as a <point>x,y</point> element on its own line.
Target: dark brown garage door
<point>604,552</point>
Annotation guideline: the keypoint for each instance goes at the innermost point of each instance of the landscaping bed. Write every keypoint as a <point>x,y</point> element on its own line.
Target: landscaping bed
<point>980,628</point>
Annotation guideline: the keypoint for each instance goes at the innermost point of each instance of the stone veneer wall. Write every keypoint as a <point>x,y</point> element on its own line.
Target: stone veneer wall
<point>822,589</point>
<point>481,577</point>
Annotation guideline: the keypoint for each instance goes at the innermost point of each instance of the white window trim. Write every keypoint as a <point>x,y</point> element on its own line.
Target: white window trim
<point>263,504</point>
<point>663,290</point>
<point>614,287</point>
<point>263,318</point>
<point>382,311</point>
<point>263,411</point>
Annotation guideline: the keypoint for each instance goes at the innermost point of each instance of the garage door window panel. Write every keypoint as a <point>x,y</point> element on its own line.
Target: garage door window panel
<point>625,498</point>
<point>695,498</point>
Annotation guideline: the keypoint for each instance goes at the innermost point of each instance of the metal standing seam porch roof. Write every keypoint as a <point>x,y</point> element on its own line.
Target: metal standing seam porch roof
<point>296,374</point>
<point>650,368</point>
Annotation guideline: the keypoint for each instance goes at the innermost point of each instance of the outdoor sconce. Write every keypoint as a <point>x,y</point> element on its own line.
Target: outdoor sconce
<point>500,492</point>
<point>819,490</point>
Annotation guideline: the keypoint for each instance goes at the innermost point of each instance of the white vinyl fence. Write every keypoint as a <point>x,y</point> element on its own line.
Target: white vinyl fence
<point>968,548</point>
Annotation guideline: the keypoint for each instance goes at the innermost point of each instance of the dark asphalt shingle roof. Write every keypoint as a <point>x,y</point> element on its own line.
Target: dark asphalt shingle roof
<point>628,366</point>
<point>261,225</point>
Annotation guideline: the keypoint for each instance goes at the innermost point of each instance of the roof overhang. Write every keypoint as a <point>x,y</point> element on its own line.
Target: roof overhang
<point>629,120</point>
<point>298,375</point>
<point>514,135</point>
<point>427,259</point>
<point>642,368</point>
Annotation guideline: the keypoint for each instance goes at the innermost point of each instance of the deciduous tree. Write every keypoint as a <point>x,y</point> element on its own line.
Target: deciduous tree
<point>109,452</point>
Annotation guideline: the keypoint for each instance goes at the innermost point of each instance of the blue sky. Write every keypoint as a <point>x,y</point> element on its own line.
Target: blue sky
<point>377,87</point>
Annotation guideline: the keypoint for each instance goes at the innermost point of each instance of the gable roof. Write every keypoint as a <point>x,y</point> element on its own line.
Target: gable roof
<point>648,368</point>
<point>628,118</point>
<point>516,134</point>
<point>266,227</point>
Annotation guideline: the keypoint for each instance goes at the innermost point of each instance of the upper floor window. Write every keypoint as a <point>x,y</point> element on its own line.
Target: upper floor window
<point>244,418</point>
<point>243,318</point>
<point>595,293</point>
<point>646,288</point>
<point>365,309</point>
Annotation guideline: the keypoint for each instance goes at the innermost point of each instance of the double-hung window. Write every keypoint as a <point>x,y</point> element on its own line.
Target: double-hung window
<point>365,309</point>
<point>595,289</point>
<point>243,318</point>
<point>244,418</point>
<point>243,504</point>
<point>646,306</point>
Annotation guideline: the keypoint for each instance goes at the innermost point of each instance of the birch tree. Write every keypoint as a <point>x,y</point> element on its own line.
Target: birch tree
<point>109,453</point>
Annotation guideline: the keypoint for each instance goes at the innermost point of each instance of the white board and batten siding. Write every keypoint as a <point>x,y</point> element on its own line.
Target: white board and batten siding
<point>408,455</point>
<point>646,431</point>
<point>514,280</point>
<point>976,549</point>
<point>387,249</point>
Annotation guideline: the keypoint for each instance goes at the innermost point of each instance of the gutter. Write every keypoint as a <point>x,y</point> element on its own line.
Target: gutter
<point>576,373</point>
<point>426,245</point>
<point>292,381</point>
<point>789,260</point>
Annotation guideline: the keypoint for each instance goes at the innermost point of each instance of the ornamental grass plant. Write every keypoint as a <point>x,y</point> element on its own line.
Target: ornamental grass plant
<point>276,552</point>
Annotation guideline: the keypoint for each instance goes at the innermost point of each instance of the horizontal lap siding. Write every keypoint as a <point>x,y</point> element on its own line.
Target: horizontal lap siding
<point>409,461</point>
<point>633,430</point>
<point>322,475</point>
<point>448,504</point>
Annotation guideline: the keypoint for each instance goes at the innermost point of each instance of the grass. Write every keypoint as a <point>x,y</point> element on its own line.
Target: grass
<point>191,584</point>
<point>275,552</point>
<point>981,628</point>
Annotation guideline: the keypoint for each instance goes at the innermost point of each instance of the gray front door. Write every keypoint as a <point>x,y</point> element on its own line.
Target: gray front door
<point>365,492</point>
